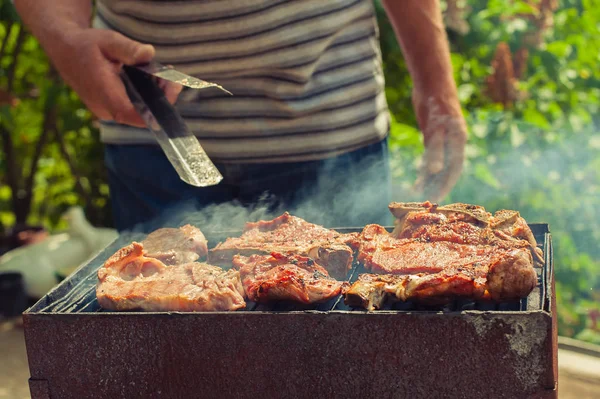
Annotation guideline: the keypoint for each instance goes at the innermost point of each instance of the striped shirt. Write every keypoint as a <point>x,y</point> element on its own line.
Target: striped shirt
<point>306,75</point>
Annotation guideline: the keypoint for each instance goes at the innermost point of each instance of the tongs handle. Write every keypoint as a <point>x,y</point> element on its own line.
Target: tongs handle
<point>152,96</point>
<point>179,144</point>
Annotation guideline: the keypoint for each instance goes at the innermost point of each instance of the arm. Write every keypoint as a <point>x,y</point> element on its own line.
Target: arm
<point>51,23</point>
<point>89,60</point>
<point>420,31</point>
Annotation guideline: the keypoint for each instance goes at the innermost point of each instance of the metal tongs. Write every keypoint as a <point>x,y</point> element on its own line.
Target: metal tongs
<point>180,146</point>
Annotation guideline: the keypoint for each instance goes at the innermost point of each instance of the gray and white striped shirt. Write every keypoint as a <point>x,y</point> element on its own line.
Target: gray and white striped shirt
<point>306,74</point>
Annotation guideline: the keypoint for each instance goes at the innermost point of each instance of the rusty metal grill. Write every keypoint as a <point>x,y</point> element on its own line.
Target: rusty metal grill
<point>77,293</point>
<point>76,350</point>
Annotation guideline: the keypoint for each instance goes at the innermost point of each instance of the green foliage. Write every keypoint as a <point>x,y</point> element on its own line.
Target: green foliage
<point>541,156</point>
<point>50,145</point>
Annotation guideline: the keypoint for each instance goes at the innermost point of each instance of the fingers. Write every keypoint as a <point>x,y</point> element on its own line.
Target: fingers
<point>122,111</point>
<point>102,54</point>
<point>171,89</point>
<point>455,155</point>
<point>434,152</point>
<point>120,49</point>
<point>433,159</point>
<point>114,102</point>
<point>435,186</point>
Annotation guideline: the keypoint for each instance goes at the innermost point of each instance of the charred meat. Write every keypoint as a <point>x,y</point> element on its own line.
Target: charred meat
<point>288,234</point>
<point>463,224</point>
<point>436,254</point>
<point>501,275</point>
<point>278,277</point>
<point>131,280</point>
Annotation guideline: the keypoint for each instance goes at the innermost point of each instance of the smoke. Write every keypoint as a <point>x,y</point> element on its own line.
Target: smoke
<point>347,191</point>
<point>348,194</point>
<point>555,183</point>
<point>548,180</point>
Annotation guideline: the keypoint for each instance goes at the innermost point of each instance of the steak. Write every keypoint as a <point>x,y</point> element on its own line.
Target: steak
<point>463,224</point>
<point>174,246</point>
<point>477,274</point>
<point>279,277</point>
<point>289,234</point>
<point>436,254</point>
<point>383,253</point>
<point>131,280</point>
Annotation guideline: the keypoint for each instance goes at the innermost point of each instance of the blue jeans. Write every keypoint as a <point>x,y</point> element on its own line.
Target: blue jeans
<point>350,190</point>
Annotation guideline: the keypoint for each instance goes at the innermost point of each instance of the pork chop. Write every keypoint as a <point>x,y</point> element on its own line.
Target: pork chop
<point>463,224</point>
<point>436,254</point>
<point>174,246</point>
<point>429,275</point>
<point>130,280</point>
<point>278,277</point>
<point>289,234</point>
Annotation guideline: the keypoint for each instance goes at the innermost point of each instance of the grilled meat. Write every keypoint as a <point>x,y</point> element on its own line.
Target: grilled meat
<point>436,254</point>
<point>463,224</point>
<point>472,272</point>
<point>383,253</point>
<point>290,235</point>
<point>174,246</point>
<point>131,280</point>
<point>469,213</point>
<point>279,277</point>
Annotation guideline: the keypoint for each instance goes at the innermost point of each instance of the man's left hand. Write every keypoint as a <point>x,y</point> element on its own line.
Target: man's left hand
<point>444,135</point>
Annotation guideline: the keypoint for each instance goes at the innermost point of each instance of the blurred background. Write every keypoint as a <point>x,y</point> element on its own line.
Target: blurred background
<point>528,77</point>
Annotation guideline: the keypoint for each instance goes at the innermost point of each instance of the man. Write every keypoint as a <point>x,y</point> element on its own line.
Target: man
<point>308,120</point>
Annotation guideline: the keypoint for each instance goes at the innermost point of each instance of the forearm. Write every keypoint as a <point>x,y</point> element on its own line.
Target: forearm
<point>420,31</point>
<point>51,22</point>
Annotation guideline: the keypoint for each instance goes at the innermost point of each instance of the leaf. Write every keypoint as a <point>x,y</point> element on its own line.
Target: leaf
<point>5,193</point>
<point>559,49</point>
<point>524,7</point>
<point>536,118</point>
<point>480,130</point>
<point>516,25</point>
<point>465,92</point>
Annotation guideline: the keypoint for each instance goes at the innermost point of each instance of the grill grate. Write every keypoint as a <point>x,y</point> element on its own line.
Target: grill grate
<point>77,294</point>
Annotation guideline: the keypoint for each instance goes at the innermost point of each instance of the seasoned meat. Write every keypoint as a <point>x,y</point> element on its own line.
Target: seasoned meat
<point>501,275</point>
<point>130,280</point>
<point>463,224</point>
<point>290,235</point>
<point>174,246</point>
<point>474,214</point>
<point>436,254</point>
<point>383,253</point>
<point>279,277</point>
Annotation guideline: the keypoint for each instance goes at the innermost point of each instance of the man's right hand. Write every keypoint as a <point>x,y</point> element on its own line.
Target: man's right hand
<point>90,61</point>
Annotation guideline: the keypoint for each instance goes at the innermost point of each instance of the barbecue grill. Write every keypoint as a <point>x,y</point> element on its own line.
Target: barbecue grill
<point>465,349</point>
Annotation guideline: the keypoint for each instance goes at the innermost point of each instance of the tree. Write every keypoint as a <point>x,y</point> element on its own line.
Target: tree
<point>51,156</point>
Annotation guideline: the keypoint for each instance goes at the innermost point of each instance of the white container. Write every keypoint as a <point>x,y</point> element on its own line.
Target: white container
<point>59,254</point>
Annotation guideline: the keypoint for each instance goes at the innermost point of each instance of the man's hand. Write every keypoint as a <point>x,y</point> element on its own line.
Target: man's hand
<point>90,61</point>
<point>420,31</point>
<point>444,135</point>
